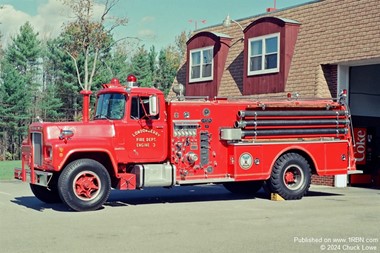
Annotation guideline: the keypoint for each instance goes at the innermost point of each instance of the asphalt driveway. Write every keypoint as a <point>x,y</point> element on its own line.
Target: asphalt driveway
<point>193,219</point>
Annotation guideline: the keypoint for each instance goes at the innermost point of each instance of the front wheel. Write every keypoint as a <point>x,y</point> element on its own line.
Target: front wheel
<point>84,185</point>
<point>291,176</point>
<point>47,195</point>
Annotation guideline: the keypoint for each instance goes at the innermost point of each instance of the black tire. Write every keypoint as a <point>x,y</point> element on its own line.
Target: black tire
<point>246,187</point>
<point>291,176</point>
<point>47,195</point>
<point>84,185</point>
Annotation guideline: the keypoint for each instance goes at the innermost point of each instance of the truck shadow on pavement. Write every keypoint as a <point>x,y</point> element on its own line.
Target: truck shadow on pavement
<point>175,195</point>
<point>32,202</point>
<point>189,194</point>
<point>117,198</point>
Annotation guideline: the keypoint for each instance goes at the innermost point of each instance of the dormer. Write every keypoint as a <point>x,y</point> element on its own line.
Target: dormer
<point>269,44</point>
<point>206,57</point>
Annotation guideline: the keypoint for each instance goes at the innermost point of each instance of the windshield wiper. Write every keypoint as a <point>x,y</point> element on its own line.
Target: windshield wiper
<point>101,116</point>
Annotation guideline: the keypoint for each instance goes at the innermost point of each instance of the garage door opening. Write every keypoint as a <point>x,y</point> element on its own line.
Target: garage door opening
<point>364,82</point>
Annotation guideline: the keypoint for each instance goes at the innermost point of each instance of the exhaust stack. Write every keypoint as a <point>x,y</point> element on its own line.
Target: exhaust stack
<point>86,104</point>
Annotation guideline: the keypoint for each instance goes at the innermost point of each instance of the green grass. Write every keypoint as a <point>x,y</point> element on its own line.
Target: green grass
<point>7,168</point>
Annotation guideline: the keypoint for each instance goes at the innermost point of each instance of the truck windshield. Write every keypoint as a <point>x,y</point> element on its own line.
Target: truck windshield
<point>110,106</point>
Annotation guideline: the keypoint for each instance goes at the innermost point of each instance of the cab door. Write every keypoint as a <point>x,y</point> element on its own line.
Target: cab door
<point>146,136</point>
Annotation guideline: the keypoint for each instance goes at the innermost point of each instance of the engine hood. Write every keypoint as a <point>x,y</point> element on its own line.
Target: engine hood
<point>92,129</point>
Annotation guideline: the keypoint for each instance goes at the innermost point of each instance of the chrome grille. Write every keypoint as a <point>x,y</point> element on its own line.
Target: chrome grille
<point>37,148</point>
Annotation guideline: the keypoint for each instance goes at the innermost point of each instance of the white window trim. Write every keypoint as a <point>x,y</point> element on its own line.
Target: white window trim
<point>264,71</point>
<point>193,80</point>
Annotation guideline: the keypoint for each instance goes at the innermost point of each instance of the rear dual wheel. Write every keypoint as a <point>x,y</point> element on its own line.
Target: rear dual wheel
<point>84,185</point>
<point>291,176</point>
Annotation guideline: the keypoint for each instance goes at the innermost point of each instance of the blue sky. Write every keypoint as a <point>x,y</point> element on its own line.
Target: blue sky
<point>156,22</point>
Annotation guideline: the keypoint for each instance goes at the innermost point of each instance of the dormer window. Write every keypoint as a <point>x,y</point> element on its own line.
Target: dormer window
<point>206,56</point>
<point>201,64</point>
<point>263,54</point>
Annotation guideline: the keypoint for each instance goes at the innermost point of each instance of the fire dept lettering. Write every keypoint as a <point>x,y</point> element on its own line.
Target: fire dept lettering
<point>143,141</point>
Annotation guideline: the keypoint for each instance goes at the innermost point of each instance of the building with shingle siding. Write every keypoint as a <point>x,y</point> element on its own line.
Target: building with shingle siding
<point>315,49</point>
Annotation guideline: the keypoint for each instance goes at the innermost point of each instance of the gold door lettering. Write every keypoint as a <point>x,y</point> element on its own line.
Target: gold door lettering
<point>145,142</point>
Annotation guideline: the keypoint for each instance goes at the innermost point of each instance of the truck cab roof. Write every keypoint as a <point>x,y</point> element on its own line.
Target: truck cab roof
<point>116,87</point>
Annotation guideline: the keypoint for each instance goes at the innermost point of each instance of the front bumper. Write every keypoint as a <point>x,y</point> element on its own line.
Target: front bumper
<point>33,176</point>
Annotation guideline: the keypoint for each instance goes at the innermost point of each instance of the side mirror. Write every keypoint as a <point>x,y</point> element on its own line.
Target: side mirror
<point>153,105</point>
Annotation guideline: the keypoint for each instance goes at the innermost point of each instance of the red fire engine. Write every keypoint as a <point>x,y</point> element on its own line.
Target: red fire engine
<point>138,139</point>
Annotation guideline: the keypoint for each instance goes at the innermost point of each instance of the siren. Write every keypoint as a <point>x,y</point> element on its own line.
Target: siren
<point>113,83</point>
<point>131,81</point>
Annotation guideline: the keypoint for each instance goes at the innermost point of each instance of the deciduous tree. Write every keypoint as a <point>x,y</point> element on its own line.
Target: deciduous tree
<point>168,62</point>
<point>89,37</point>
<point>180,43</point>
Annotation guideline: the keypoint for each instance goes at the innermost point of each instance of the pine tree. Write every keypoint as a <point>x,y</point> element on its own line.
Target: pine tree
<point>118,65</point>
<point>59,72</point>
<point>15,113</point>
<point>21,90</point>
<point>51,103</point>
<point>1,47</point>
<point>140,67</point>
<point>153,68</point>
<point>24,55</point>
<point>3,142</point>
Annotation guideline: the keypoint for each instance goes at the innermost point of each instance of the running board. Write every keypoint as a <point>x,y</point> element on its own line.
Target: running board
<point>352,172</point>
<point>205,181</point>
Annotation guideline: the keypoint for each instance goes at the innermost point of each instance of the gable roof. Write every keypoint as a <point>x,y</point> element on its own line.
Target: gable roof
<point>331,32</point>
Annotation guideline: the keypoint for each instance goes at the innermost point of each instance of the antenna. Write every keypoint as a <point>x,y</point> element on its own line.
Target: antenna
<point>274,8</point>
<point>203,21</point>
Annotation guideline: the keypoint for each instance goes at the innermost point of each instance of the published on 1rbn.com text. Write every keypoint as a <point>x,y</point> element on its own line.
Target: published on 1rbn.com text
<point>353,244</point>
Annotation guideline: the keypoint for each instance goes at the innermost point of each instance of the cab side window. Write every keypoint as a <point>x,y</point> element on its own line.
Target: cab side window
<point>140,108</point>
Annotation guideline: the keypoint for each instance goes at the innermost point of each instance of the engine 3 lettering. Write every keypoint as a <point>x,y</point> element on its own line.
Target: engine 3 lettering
<point>145,142</point>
